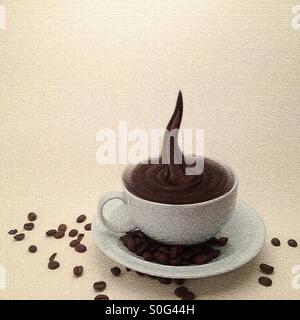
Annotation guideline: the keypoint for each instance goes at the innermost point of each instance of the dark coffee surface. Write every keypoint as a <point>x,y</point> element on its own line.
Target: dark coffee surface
<point>169,183</point>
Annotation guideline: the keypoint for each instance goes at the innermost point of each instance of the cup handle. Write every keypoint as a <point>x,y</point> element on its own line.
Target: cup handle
<point>117,226</point>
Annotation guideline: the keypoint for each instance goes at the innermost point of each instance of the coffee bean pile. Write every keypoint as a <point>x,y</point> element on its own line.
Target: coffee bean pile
<point>174,255</point>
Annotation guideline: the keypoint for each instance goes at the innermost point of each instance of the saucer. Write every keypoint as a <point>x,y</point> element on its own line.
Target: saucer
<point>245,230</point>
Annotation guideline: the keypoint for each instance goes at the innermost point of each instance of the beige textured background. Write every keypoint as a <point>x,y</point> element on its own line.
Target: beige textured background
<point>69,69</point>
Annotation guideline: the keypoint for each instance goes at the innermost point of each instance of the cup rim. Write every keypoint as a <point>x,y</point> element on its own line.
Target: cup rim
<point>204,203</point>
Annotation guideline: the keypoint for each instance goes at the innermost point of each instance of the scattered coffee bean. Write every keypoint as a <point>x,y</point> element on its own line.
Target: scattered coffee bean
<point>116,271</point>
<point>59,235</point>
<point>80,237</point>
<point>101,297</point>
<point>188,296</point>
<point>28,226</point>
<point>51,233</point>
<point>32,216</point>
<point>52,265</point>
<point>180,291</point>
<point>80,248</point>
<point>264,281</point>
<point>74,243</point>
<point>99,286</point>
<point>179,281</point>
<point>78,271</point>
<point>81,218</point>
<point>13,231</point>
<point>52,257</point>
<point>88,227</point>
<point>292,243</point>
<point>275,242</point>
<point>73,233</point>
<point>19,237</point>
<point>62,227</point>
<point>164,280</point>
<point>32,249</point>
<point>266,268</point>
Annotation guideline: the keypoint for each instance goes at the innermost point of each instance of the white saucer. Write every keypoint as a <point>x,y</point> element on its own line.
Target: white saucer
<point>245,230</point>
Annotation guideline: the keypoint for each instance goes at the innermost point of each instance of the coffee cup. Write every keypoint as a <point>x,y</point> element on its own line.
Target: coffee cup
<point>181,224</point>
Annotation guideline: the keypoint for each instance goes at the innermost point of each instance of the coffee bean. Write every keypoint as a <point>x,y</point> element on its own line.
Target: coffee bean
<point>13,231</point>
<point>88,227</point>
<point>99,286</point>
<point>80,248</point>
<point>73,233</point>
<point>28,226</point>
<point>81,218</point>
<point>148,256</point>
<point>213,241</point>
<point>52,265</point>
<point>266,268</point>
<point>52,257</point>
<point>62,227</point>
<point>101,297</point>
<point>77,271</point>
<point>292,243</point>
<point>116,271</point>
<point>80,237</point>
<point>264,281</point>
<point>179,281</point>
<point>201,259</point>
<point>188,296</point>
<point>180,291</point>
<point>164,280</point>
<point>19,237</point>
<point>128,269</point>
<point>275,242</point>
<point>32,216</point>
<point>51,233</point>
<point>221,242</point>
<point>59,235</point>
<point>74,243</point>
<point>32,249</point>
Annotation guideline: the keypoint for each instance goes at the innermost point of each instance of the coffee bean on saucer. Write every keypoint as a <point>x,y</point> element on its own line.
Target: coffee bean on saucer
<point>116,271</point>
<point>179,281</point>
<point>266,268</point>
<point>32,249</point>
<point>13,231</point>
<point>188,295</point>
<point>180,291</point>
<point>62,227</point>
<point>73,233</point>
<point>52,257</point>
<point>80,248</point>
<point>59,235</point>
<point>221,242</point>
<point>77,271</point>
<point>32,216</point>
<point>99,286</point>
<point>74,243</point>
<point>265,281</point>
<point>19,237</point>
<point>88,227</point>
<point>28,226</point>
<point>51,233</point>
<point>275,242</point>
<point>81,218</point>
<point>80,237</point>
<point>292,243</point>
<point>52,265</point>
<point>101,297</point>
<point>164,280</point>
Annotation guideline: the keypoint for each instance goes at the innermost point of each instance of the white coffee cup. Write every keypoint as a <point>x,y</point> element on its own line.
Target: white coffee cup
<point>183,224</point>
